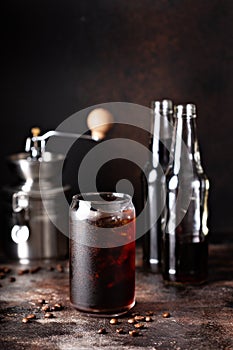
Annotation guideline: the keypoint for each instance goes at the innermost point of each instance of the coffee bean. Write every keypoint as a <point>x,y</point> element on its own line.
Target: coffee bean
<point>6,269</point>
<point>102,331</point>
<point>149,313</point>
<point>35,269</point>
<point>12,279</point>
<point>23,272</point>
<point>31,316</point>
<point>134,333</point>
<point>25,320</point>
<point>60,268</point>
<point>41,301</point>
<point>0,285</point>
<point>48,315</point>
<point>131,320</point>
<point>45,308</point>
<point>57,307</point>
<point>148,319</point>
<point>51,268</point>
<point>166,314</point>
<point>113,321</point>
<point>120,330</point>
<point>139,325</point>
<point>2,275</point>
<point>139,318</point>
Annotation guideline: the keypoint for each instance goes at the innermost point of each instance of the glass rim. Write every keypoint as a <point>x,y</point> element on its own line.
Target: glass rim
<point>83,197</point>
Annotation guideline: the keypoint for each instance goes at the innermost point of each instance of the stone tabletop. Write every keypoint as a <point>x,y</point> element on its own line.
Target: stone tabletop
<point>189,317</point>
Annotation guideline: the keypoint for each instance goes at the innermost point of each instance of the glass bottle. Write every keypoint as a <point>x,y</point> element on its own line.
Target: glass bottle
<point>160,144</point>
<point>184,219</point>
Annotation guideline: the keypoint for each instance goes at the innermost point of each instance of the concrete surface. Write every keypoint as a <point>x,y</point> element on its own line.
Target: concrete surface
<point>201,317</point>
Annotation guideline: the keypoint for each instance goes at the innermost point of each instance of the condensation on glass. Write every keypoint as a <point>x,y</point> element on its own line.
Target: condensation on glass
<point>102,253</point>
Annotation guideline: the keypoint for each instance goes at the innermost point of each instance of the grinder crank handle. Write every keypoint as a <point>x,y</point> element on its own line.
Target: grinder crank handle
<point>99,122</point>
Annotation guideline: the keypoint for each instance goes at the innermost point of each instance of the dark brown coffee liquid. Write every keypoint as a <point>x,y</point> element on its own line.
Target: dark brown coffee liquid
<point>103,279</point>
<point>189,264</point>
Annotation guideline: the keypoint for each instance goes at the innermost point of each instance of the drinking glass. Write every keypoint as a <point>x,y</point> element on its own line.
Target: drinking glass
<point>102,253</point>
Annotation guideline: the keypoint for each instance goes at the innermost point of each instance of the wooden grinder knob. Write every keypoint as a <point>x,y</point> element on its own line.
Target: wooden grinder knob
<point>99,121</point>
<point>35,132</point>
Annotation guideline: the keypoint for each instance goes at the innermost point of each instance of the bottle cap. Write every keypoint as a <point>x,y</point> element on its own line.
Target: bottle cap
<point>186,110</point>
<point>164,106</point>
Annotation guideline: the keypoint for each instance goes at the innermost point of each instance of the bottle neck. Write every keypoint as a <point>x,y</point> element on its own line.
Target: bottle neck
<point>185,147</point>
<point>161,131</point>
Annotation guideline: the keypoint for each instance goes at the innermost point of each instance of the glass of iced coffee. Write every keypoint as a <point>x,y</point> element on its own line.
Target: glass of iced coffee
<point>102,253</point>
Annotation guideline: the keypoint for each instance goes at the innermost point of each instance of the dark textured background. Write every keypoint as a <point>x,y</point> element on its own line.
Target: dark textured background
<point>61,56</point>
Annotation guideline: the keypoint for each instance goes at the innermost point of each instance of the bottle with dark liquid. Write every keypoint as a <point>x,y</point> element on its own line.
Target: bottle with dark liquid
<point>160,144</point>
<point>184,219</point>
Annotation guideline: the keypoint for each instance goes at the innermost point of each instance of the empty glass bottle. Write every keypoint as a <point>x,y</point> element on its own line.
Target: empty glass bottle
<point>160,144</point>
<point>184,219</point>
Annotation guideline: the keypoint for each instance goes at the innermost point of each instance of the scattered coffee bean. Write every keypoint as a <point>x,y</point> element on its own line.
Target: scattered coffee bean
<point>148,319</point>
<point>6,269</point>
<point>35,269</point>
<point>2,275</point>
<point>25,320</point>
<point>51,268</point>
<point>60,268</point>
<point>133,314</point>
<point>0,285</point>
<point>134,333</point>
<point>166,314</point>
<point>149,313</point>
<point>139,318</point>
<point>31,316</point>
<point>23,272</point>
<point>139,325</point>
<point>12,279</point>
<point>57,307</point>
<point>120,330</point>
<point>113,321</point>
<point>48,315</point>
<point>41,301</point>
<point>131,320</point>
<point>45,308</point>
<point>102,331</point>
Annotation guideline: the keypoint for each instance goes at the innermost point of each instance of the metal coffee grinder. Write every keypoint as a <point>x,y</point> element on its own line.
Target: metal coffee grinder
<point>28,231</point>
